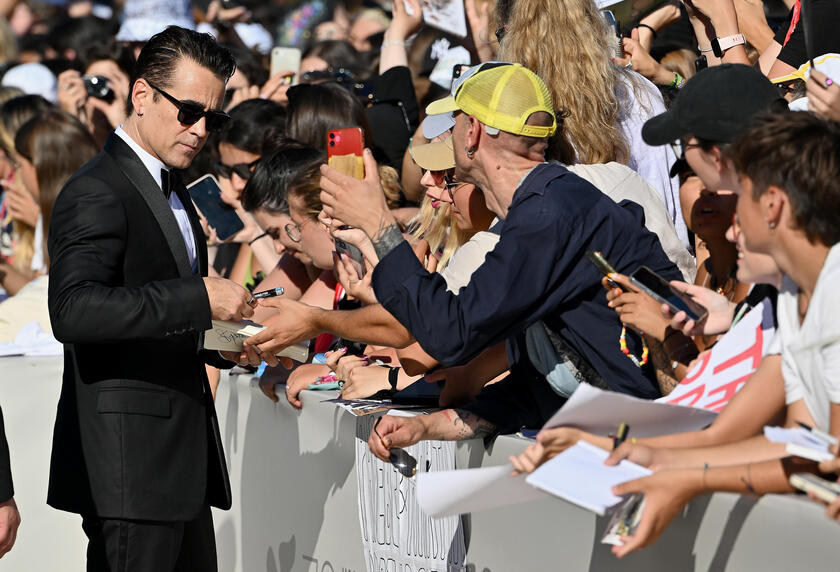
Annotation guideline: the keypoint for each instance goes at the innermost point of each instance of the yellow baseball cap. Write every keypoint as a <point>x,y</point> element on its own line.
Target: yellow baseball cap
<point>501,95</point>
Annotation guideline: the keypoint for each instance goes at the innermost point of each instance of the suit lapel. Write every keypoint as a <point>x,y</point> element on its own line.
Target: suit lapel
<point>198,233</point>
<point>136,172</point>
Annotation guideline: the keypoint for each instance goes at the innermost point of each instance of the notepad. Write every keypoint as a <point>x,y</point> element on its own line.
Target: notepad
<point>579,476</point>
<point>228,336</point>
<point>799,442</point>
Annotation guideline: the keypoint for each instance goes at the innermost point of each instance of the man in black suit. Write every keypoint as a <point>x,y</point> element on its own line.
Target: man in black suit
<point>136,448</point>
<point>9,516</point>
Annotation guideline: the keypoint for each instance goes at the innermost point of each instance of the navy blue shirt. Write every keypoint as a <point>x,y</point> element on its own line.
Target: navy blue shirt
<point>537,271</point>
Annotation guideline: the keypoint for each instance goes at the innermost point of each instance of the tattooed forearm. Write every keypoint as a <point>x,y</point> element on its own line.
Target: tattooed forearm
<point>387,237</point>
<point>471,426</point>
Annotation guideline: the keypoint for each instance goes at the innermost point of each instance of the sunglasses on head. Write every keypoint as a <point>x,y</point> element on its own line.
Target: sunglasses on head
<point>242,170</point>
<point>191,113</point>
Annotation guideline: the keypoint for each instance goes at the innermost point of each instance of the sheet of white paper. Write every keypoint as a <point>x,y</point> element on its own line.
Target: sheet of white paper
<point>601,412</point>
<point>446,493</point>
<point>228,336</point>
<point>800,442</point>
<point>580,476</point>
<point>446,15</point>
<point>796,435</point>
<point>31,340</point>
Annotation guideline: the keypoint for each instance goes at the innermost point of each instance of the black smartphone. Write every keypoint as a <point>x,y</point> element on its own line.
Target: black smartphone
<point>355,255</point>
<point>207,196</point>
<point>660,289</point>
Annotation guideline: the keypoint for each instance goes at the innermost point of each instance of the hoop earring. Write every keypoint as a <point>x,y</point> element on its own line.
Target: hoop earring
<point>469,152</point>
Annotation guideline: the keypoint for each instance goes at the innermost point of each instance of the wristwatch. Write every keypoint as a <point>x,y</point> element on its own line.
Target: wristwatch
<point>720,45</point>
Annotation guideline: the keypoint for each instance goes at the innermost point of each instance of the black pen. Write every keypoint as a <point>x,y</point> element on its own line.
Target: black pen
<point>621,435</point>
<point>269,293</point>
<point>819,434</point>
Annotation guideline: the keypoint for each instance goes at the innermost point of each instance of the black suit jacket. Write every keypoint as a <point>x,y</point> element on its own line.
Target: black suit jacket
<point>136,434</point>
<point>7,490</point>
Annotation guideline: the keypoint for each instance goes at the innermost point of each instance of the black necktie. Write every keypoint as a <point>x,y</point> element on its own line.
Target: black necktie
<point>169,181</point>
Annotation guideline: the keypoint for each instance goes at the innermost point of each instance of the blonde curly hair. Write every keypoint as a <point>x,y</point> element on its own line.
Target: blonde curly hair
<point>569,45</point>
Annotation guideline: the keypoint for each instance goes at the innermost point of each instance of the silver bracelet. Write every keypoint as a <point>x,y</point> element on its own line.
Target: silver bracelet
<point>395,43</point>
<point>702,51</point>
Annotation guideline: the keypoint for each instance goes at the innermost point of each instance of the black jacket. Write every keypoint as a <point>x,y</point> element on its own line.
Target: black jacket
<point>7,490</point>
<point>136,434</point>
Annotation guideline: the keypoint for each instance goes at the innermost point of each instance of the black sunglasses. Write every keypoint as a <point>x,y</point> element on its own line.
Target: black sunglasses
<point>191,113</point>
<point>242,170</point>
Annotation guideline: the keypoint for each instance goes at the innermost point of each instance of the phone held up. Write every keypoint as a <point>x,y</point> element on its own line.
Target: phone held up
<point>344,153</point>
<point>207,196</point>
<point>661,290</point>
<point>285,59</point>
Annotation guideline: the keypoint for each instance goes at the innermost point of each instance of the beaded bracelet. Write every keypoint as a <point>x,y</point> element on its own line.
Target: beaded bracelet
<point>622,344</point>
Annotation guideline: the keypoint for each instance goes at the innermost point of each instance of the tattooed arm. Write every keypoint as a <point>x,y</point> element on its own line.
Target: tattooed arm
<point>446,425</point>
<point>387,236</point>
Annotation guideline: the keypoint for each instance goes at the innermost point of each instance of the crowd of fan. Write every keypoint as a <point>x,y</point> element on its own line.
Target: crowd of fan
<point>483,192</point>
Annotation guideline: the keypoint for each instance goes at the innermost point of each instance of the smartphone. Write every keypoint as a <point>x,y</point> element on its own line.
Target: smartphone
<point>457,70</point>
<point>596,258</point>
<point>658,288</point>
<point>283,59</point>
<point>207,197</point>
<point>355,255</point>
<point>826,491</point>
<point>344,151</point>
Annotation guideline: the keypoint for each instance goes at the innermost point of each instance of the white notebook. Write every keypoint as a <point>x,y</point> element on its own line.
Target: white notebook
<point>228,336</point>
<point>579,475</point>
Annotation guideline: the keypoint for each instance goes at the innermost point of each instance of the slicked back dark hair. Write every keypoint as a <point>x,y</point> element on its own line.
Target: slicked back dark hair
<point>158,58</point>
<point>800,154</point>
<point>273,174</point>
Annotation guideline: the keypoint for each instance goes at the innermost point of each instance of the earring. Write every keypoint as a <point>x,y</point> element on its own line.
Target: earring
<point>772,225</point>
<point>469,152</point>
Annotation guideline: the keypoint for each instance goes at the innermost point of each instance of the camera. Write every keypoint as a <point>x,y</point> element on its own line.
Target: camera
<point>97,86</point>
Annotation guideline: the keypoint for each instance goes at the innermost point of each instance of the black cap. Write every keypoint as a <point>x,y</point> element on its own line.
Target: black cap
<point>715,105</point>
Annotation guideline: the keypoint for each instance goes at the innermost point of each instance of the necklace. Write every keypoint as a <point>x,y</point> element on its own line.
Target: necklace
<point>622,343</point>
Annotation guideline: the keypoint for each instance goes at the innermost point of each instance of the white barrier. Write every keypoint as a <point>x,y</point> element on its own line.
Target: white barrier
<point>295,500</point>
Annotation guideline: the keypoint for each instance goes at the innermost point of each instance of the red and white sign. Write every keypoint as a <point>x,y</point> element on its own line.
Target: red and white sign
<point>723,370</point>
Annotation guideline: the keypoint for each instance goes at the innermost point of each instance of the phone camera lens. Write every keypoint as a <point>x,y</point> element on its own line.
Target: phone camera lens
<point>332,135</point>
<point>332,143</point>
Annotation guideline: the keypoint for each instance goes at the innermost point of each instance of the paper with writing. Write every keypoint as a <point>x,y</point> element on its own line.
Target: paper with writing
<point>446,493</point>
<point>600,412</point>
<point>228,336</point>
<point>579,475</point>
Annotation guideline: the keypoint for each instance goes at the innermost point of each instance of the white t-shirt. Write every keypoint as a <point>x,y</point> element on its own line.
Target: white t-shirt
<point>466,259</point>
<point>652,163</point>
<point>811,351</point>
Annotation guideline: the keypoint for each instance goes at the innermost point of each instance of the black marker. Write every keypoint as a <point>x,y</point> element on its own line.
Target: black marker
<point>621,435</point>
<point>269,293</point>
